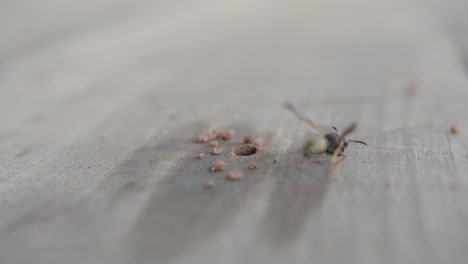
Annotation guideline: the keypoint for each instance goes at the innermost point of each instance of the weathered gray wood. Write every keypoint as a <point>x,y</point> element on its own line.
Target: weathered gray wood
<point>97,154</point>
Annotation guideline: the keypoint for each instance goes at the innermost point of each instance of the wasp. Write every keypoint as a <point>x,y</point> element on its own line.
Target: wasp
<point>332,142</point>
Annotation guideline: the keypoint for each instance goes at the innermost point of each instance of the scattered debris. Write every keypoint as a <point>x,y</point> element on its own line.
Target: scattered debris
<point>211,136</point>
<point>218,165</point>
<point>210,184</point>
<point>214,143</point>
<point>253,166</point>
<point>275,161</point>
<point>245,150</point>
<point>455,129</point>
<point>202,139</point>
<point>248,140</point>
<point>200,155</point>
<point>229,134</point>
<point>234,175</point>
<point>217,150</point>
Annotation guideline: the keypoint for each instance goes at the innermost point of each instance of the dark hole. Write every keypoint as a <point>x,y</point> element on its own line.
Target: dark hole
<point>245,150</point>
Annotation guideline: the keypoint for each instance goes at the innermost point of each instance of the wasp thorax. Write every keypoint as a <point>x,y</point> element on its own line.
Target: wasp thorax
<point>334,142</point>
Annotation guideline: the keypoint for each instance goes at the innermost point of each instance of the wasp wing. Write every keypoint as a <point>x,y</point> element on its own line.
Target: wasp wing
<point>302,117</point>
<point>347,131</point>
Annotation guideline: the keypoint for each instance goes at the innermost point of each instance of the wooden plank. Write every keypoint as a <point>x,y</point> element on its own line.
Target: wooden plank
<point>98,160</point>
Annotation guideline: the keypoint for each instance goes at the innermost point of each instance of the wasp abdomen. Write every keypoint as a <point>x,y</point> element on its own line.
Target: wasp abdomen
<point>316,145</point>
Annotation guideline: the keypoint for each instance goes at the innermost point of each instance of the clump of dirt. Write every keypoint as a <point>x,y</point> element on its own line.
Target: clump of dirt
<point>248,140</point>
<point>218,165</point>
<point>200,155</point>
<point>234,175</point>
<point>213,143</point>
<point>455,129</point>
<point>253,166</point>
<point>210,184</point>
<point>202,139</point>
<point>245,150</point>
<point>229,134</point>
<point>215,134</point>
<point>217,150</point>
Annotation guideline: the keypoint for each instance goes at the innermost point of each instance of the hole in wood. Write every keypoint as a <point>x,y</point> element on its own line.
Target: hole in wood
<point>246,150</point>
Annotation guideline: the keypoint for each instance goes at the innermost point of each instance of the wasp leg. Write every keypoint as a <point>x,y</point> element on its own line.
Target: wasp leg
<point>337,153</point>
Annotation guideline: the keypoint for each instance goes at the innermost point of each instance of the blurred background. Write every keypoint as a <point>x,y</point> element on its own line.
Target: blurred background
<point>100,103</point>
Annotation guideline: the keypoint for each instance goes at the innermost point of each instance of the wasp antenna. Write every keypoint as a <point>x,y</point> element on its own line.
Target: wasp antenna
<point>358,141</point>
<point>334,128</point>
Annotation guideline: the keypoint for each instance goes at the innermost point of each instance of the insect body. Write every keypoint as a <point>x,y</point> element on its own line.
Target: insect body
<point>332,143</point>
<point>316,145</point>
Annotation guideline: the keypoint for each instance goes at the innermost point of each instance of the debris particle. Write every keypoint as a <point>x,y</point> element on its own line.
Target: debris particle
<point>214,143</point>
<point>253,166</point>
<point>202,139</point>
<point>455,129</point>
<point>217,150</point>
<point>248,140</point>
<point>228,134</point>
<point>275,161</point>
<point>218,165</point>
<point>212,135</point>
<point>234,175</point>
<point>210,184</point>
<point>200,155</point>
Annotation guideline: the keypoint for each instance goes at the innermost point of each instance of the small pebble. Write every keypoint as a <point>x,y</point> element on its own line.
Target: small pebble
<point>253,166</point>
<point>202,139</point>
<point>217,151</point>
<point>210,184</point>
<point>234,175</point>
<point>213,135</point>
<point>218,165</point>
<point>455,129</point>
<point>214,143</point>
<point>248,140</point>
<point>200,155</point>
<point>229,134</point>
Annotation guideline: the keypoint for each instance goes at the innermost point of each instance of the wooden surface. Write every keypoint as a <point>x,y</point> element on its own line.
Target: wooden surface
<point>100,103</point>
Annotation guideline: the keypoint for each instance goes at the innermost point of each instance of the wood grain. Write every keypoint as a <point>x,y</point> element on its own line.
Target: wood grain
<point>99,115</point>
